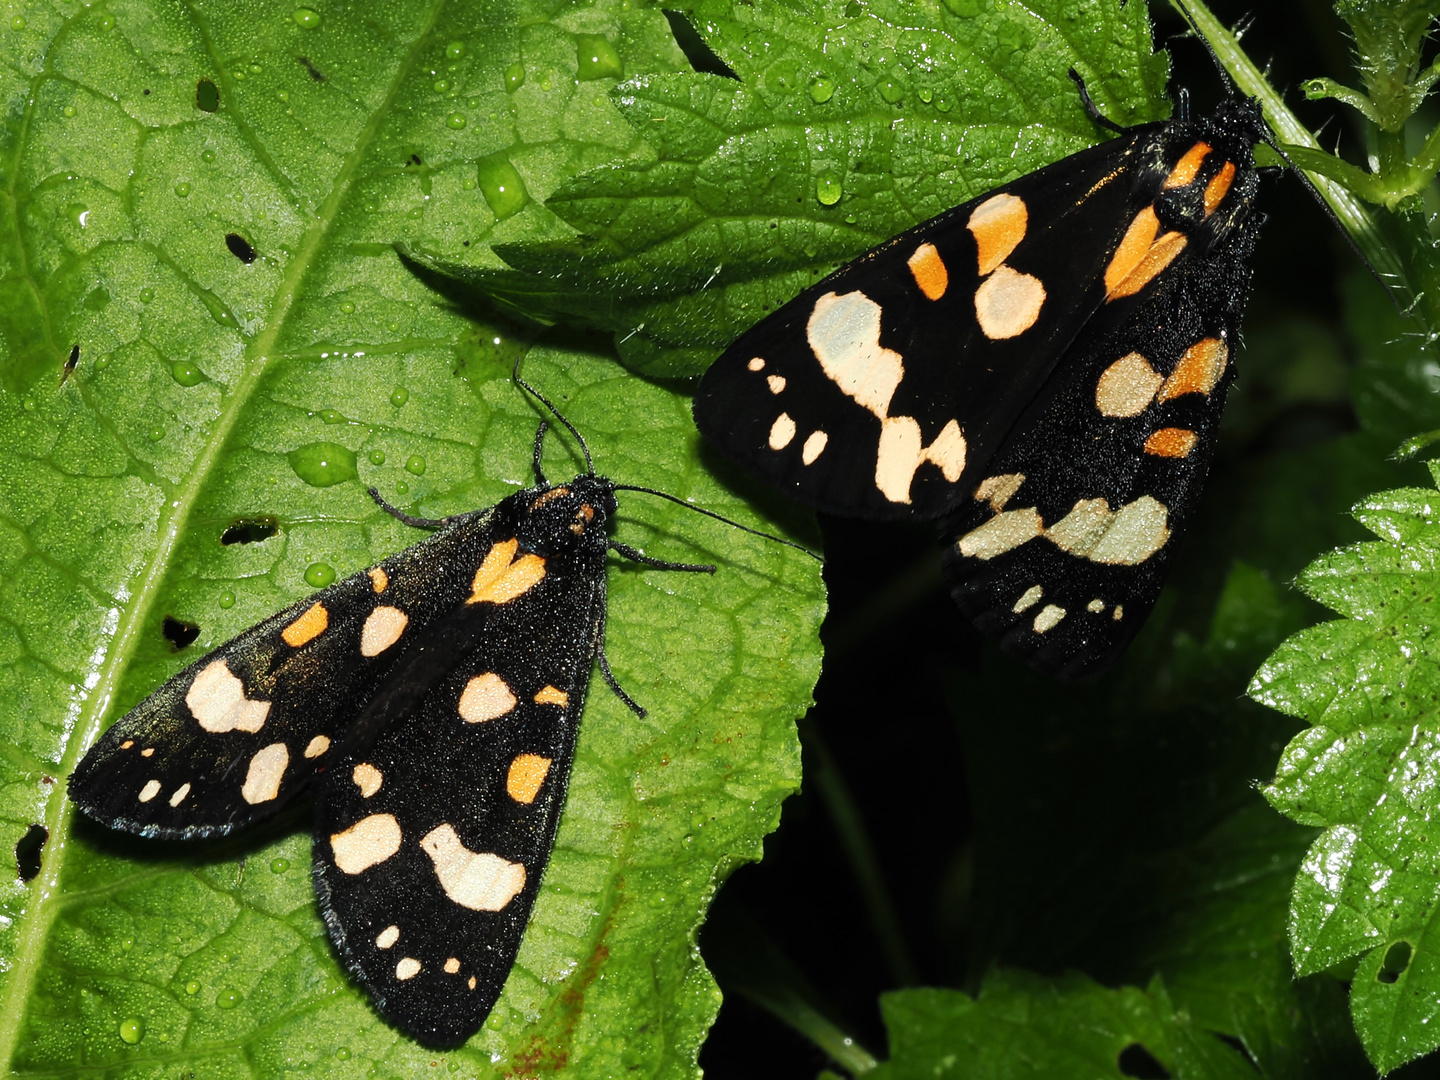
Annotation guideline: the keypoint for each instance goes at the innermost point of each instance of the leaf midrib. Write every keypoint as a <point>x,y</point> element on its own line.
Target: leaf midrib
<point>46,900</point>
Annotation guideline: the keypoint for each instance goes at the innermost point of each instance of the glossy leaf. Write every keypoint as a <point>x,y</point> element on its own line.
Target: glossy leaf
<point>206,201</point>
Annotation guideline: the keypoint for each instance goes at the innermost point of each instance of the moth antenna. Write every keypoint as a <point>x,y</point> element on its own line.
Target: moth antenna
<point>538,396</point>
<point>1210,49</point>
<point>609,676</point>
<point>719,517</point>
<point>635,555</point>
<point>539,447</point>
<point>400,515</point>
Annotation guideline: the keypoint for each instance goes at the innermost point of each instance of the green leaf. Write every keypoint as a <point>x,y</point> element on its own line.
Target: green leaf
<point>846,124</point>
<point>1365,771</point>
<point>213,392</point>
<point>1026,1026</point>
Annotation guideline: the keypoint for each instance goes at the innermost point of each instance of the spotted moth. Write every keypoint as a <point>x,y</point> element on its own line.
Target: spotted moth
<point>430,705</point>
<point>1040,371</point>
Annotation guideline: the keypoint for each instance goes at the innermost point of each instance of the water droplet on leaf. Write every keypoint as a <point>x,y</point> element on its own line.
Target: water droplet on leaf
<point>146,295</point>
<point>596,58</point>
<point>17,23</point>
<point>182,189</point>
<point>192,987</point>
<point>227,600</point>
<point>186,374</point>
<point>399,396</point>
<point>317,576</point>
<point>156,433</point>
<point>501,185</point>
<point>822,89</point>
<point>132,1030</point>
<point>227,999</point>
<point>455,120</point>
<point>455,50</point>
<point>323,464</point>
<point>377,457</point>
<point>415,463</point>
<point>828,190</point>
<point>279,866</point>
<point>514,76</point>
<point>309,18</point>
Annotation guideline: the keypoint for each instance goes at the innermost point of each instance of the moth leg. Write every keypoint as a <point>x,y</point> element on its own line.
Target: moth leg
<point>1090,106</point>
<point>638,710</point>
<point>659,564</point>
<point>400,515</point>
<point>539,446</point>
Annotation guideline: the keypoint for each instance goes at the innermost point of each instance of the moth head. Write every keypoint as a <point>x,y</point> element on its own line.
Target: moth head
<point>580,509</point>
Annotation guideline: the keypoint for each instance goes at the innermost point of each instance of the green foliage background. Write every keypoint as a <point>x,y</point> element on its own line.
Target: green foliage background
<point>1076,882</point>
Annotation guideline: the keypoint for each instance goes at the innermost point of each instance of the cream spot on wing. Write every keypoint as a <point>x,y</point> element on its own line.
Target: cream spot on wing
<point>1127,386</point>
<point>548,695</point>
<point>485,697</point>
<point>1002,533</point>
<point>1199,369</point>
<point>127,744</point>
<point>407,968</point>
<point>149,751</point>
<point>775,382</point>
<point>267,767</point>
<point>472,982</point>
<point>1008,303</point>
<point>150,790</point>
<point>476,880</point>
<point>1171,442</point>
<point>317,746</point>
<point>1048,619</point>
<point>814,446</point>
<point>307,627</point>
<point>781,432</point>
<point>900,453</point>
<point>756,364</point>
<point>379,580</point>
<point>1028,599</point>
<point>844,334</point>
<point>502,577</point>
<point>1124,537</point>
<point>1079,531</point>
<point>527,773</point>
<point>382,628</point>
<point>387,937</point>
<point>367,778</point>
<point>452,966</point>
<point>998,225</point>
<point>368,842</point>
<point>998,490</point>
<point>1095,607</point>
<point>217,700</point>
<point>1118,614</point>
<point>180,793</point>
<point>929,271</point>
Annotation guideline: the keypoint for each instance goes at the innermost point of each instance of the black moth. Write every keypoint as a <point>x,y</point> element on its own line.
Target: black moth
<point>431,705</point>
<point>1040,371</point>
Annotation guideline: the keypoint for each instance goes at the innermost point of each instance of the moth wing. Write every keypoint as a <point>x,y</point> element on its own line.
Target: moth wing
<point>881,392</point>
<point>1061,549</point>
<point>241,731</point>
<point>432,840</point>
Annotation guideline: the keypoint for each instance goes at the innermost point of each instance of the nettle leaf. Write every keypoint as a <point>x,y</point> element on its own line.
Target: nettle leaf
<point>1024,1025</point>
<point>1367,771</point>
<point>207,203</point>
<point>846,123</point>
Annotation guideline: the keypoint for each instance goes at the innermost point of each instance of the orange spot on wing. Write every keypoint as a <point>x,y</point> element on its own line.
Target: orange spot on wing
<point>998,225</point>
<point>1188,166</point>
<point>307,627</point>
<point>929,271</point>
<point>1198,371</point>
<point>1219,186</point>
<point>502,577</point>
<point>527,773</point>
<point>379,579</point>
<point>1171,442</point>
<point>1132,268</point>
<point>551,696</point>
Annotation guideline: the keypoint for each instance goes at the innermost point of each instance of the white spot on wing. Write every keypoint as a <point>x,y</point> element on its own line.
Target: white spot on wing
<point>368,842</point>
<point>485,697</point>
<point>1049,618</point>
<point>1028,599</point>
<point>1127,386</point>
<point>756,364</point>
<point>452,966</point>
<point>382,628</point>
<point>775,382</point>
<point>1008,303</point>
<point>1124,537</point>
<point>476,880</point>
<point>367,778</point>
<point>267,767</point>
<point>901,452</point>
<point>180,793</point>
<point>387,937</point>
<point>781,432</point>
<point>317,746</point>
<point>217,700</point>
<point>998,490</point>
<point>844,334</point>
<point>814,447</point>
<point>1002,533</point>
<point>150,790</point>
<point>407,968</point>
<point>1095,607</point>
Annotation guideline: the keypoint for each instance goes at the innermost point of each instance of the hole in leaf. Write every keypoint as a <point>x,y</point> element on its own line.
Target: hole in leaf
<point>702,58</point>
<point>207,96</point>
<point>315,73</point>
<point>250,530</point>
<point>1397,959</point>
<point>178,632</point>
<point>240,247</point>
<point>1138,1062</point>
<point>414,159</point>
<point>27,852</point>
<point>70,362</point>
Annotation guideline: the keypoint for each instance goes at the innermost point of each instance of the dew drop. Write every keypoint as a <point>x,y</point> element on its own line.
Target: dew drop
<point>323,464</point>
<point>515,76</point>
<point>343,1053</point>
<point>182,189</point>
<point>472,103</point>
<point>192,988</point>
<point>455,50</point>
<point>317,576</point>
<point>596,58</point>
<point>102,361</point>
<point>850,219</point>
<point>415,463</point>
<point>309,18</point>
<point>279,866</point>
<point>227,999</point>
<point>132,1030</point>
<point>208,155</point>
<point>17,23</point>
<point>402,488</point>
<point>107,22</point>
<point>393,326</point>
<point>186,374</point>
<point>399,396</point>
<point>156,433</point>
<point>822,89</point>
<point>377,457</point>
<point>127,944</point>
<point>966,9</point>
<point>441,85</point>
<point>347,307</point>
<point>828,190</point>
<point>69,110</point>
<point>283,95</point>
<point>926,96</point>
<point>227,598</point>
<point>30,405</point>
<point>146,295</point>
<point>455,120</point>
<point>332,416</point>
<point>501,185</point>
<point>891,91</point>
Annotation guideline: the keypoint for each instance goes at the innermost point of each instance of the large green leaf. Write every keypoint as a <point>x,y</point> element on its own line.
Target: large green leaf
<point>847,124</point>
<point>211,391</point>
